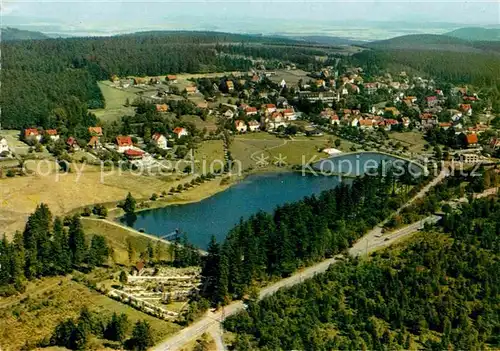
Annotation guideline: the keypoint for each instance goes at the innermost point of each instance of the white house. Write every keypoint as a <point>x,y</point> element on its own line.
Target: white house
<point>228,114</point>
<point>254,126</point>
<point>275,121</point>
<point>4,145</point>
<point>160,141</point>
<point>180,132</point>
<point>52,134</point>
<point>240,126</point>
<point>289,114</point>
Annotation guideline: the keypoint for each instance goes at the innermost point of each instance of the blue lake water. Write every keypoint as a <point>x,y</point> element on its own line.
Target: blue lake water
<point>217,214</point>
<point>365,162</point>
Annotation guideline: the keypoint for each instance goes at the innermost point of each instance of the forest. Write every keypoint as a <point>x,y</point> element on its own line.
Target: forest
<point>274,245</point>
<point>41,76</point>
<point>47,247</point>
<point>439,291</point>
<point>480,69</point>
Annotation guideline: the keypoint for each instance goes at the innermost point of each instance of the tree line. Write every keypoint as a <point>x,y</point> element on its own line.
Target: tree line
<point>295,235</point>
<point>47,247</point>
<point>76,334</point>
<point>440,291</point>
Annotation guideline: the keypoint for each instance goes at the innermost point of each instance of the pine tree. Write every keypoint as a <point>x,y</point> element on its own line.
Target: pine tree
<point>77,241</point>
<point>98,251</point>
<point>210,269</point>
<point>142,337</point>
<point>117,328</point>
<point>129,204</point>
<point>5,262</point>
<point>61,252</point>
<point>130,251</point>
<point>17,260</point>
<point>36,239</point>
<point>221,293</point>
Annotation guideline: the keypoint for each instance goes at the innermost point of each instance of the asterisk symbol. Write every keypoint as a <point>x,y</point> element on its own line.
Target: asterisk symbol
<point>280,160</point>
<point>262,160</point>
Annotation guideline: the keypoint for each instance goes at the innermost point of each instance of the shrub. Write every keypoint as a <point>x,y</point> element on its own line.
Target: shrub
<point>86,212</point>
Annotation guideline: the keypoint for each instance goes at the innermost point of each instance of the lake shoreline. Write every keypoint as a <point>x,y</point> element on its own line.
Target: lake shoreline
<point>196,196</point>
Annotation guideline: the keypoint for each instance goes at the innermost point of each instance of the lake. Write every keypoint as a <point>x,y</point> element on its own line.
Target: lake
<point>355,164</point>
<point>219,213</point>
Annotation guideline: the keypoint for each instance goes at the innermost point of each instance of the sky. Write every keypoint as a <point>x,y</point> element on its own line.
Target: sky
<point>347,18</point>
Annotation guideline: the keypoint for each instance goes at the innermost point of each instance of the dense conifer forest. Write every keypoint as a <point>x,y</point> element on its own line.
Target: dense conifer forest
<point>440,291</point>
<point>297,234</point>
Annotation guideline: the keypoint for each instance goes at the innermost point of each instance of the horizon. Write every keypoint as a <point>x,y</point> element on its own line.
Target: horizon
<point>356,20</point>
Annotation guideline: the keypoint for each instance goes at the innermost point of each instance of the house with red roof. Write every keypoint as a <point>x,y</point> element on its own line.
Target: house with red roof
<point>431,101</point>
<point>72,143</point>
<point>466,108</point>
<point>52,134</point>
<point>370,88</point>
<point>171,78</point>
<point>250,111</point>
<point>365,124</point>
<point>161,108</point>
<point>95,131</point>
<point>180,132</point>
<point>160,141</point>
<point>124,143</point>
<point>289,114</point>
<point>471,140</point>
<point>191,90</point>
<point>269,108</point>
<point>254,126</point>
<point>445,125</point>
<point>134,154</point>
<point>94,142</point>
<point>32,134</point>
<point>241,126</point>
<point>428,120</point>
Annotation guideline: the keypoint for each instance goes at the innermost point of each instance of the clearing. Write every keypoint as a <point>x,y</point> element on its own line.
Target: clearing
<point>115,102</point>
<point>414,140</point>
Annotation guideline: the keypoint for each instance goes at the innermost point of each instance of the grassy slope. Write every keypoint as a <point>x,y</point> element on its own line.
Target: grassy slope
<point>54,299</point>
<point>115,101</point>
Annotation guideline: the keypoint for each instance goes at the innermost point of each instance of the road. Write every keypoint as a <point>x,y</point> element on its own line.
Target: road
<point>369,243</point>
<point>372,241</point>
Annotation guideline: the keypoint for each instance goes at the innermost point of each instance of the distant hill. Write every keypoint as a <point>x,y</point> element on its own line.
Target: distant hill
<point>432,42</point>
<point>327,40</point>
<point>476,34</point>
<point>9,34</point>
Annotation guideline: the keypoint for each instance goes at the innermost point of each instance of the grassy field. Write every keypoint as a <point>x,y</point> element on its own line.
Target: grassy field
<point>115,100</point>
<point>48,301</point>
<point>291,77</point>
<point>414,140</point>
<point>210,153</point>
<point>118,239</point>
<point>248,147</point>
<point>210,122</point>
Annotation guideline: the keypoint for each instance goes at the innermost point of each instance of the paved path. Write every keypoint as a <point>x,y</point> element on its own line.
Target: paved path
<point>132,230</point>
<point>372,241</point>
<point>212,319</point>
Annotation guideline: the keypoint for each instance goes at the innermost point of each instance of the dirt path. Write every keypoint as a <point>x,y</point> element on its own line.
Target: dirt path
<point>136,232</point>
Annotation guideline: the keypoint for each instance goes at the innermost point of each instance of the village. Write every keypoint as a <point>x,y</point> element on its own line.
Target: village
<point>342,105</point>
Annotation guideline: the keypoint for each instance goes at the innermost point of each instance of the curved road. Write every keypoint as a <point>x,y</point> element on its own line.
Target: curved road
<point>372,241</point>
